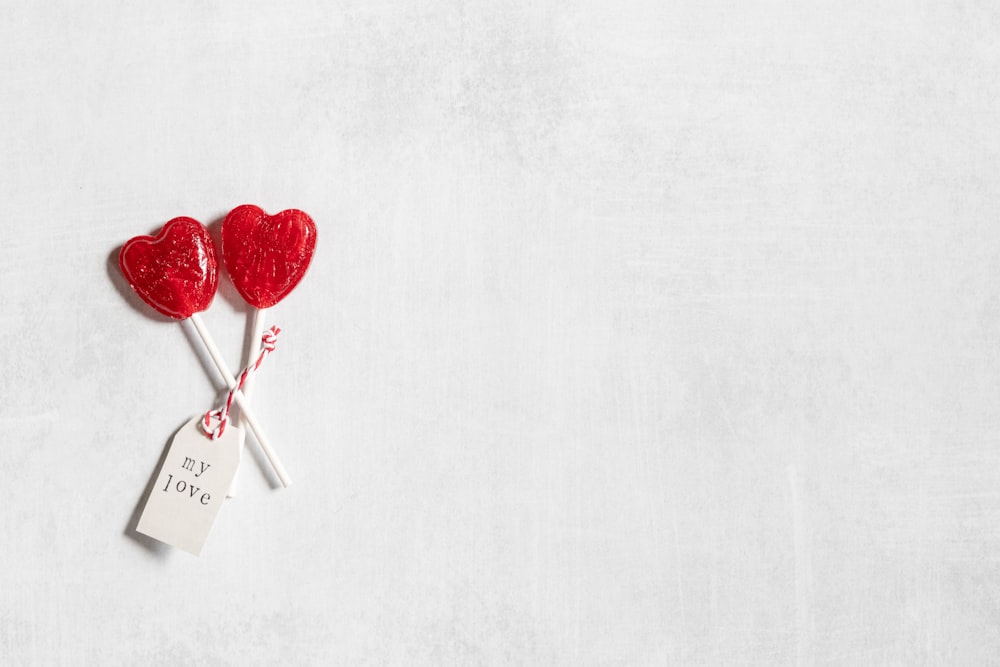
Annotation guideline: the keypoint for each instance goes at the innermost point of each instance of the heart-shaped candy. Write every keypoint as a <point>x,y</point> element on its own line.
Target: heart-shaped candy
<point>266,255</point>
<point>176,271</point>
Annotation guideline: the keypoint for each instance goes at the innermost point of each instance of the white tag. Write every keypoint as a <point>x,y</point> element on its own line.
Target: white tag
<point>191,487</point>
<point>231,493</point>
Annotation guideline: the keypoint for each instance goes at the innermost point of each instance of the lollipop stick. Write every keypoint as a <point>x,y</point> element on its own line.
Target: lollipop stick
<point>245,411</point>
<point>252,348</point>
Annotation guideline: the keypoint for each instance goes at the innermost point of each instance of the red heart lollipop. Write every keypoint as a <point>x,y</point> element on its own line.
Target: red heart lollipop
<point>175,271</point>
<point>266,255</point>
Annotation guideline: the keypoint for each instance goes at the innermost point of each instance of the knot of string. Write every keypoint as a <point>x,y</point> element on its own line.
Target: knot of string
<point>267,344</point>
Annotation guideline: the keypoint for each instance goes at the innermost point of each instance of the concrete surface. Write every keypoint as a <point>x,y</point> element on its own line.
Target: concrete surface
<point>659,333</point>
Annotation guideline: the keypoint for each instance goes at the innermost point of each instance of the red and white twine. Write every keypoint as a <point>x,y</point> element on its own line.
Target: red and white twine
<point>267,344</point>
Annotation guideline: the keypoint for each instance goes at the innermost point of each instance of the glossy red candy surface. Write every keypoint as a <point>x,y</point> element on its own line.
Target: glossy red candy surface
<point>176,271</point>
<point>266,255</point>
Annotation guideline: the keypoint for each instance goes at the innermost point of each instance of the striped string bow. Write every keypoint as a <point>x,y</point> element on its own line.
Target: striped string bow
<point>221,415</point>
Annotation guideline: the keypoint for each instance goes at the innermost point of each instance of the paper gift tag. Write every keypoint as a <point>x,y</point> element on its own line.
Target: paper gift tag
<point>191,486</point>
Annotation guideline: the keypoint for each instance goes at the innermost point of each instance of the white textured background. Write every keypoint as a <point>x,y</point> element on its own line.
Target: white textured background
<point>641,334</point>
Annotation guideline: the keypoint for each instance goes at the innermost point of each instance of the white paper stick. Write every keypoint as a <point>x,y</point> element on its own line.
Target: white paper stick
<point>253,348</point>
<point>245,411</point>
<point>249,354</point>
